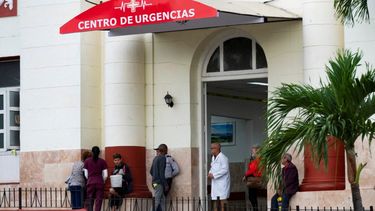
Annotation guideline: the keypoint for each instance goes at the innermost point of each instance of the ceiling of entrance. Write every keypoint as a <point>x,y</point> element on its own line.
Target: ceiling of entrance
<point>241,89</point>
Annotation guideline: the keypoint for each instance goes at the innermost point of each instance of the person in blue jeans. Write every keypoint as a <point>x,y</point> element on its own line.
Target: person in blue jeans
<point>289,186</point>
<point>77,182</point>
<point>159,182</point>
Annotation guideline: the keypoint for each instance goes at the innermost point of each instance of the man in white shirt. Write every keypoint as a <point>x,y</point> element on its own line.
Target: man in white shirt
<point>220,177</point>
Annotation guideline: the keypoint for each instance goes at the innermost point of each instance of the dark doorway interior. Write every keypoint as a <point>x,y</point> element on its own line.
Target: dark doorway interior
<point>239,106</point>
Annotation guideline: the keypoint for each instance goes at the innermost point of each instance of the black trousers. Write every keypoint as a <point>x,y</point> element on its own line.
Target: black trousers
<point>116,200</point>
<point>253,197</point>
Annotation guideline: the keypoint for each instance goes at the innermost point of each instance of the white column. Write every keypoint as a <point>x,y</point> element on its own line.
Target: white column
<point>124,91</point>
<point>124,106</point>
<point>322,37</point>
<point>361,37</point>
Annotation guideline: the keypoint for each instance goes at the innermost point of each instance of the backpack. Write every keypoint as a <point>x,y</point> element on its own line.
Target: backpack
<point>172,165</point>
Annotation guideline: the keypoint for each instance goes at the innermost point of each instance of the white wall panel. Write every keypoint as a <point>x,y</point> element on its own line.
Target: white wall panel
<point>10,46</point>
<point>125,94</point>
<point>362,37</point>
<point>174,136</point>
<point>9,165</point>
<point>171,72</point>
<point>61,76</point>
<point>133,52</point>
<point>125,135</point>
<point>45,119</point>
<point>91,89</point>
<point>9,36</point>
<point>322,37</point>
<point>131,115</point>
<point>51,77</point>
<point>50,139</point>
<point>51,98</point>
<point>118,73</point>
<point>124,91</point>
<point>51,56</point>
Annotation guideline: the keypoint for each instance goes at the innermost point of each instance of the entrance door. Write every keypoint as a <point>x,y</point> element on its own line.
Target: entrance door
<point>234,78</point>
<point>235,118</point>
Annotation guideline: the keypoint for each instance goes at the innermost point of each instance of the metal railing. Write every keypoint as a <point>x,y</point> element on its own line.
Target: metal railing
<point>34,198</point>
<point>59,198</point>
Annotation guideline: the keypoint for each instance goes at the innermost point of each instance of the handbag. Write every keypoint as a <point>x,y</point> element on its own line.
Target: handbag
<point>68,181</point>
<point>254,182</point>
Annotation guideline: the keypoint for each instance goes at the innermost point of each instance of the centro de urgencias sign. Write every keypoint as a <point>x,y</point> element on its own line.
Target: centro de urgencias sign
<point>127,13</point>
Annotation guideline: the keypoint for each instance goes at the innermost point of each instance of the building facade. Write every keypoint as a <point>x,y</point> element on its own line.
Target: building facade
<point>61,94</point>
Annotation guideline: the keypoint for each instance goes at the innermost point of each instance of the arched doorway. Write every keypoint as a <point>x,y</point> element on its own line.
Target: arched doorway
<point>234,86</point>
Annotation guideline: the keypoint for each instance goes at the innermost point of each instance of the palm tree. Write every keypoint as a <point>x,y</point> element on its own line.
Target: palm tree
<point>349,11</point>
<point>341,107</point>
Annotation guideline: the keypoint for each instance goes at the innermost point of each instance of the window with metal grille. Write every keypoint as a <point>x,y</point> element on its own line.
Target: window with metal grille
<point>9,103</point>
<point>239,54</point>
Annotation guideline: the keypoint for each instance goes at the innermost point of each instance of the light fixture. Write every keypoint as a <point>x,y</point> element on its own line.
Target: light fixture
<point>169,100</point>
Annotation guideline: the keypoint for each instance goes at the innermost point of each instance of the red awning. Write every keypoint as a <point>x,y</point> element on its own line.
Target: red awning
<point>123,17</point>
<point>131,13</point>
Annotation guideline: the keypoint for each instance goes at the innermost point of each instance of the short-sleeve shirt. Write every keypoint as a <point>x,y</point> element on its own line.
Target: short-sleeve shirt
<point>95,169</point>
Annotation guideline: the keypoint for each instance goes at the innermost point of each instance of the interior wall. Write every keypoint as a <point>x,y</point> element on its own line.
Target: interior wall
<point>242,135</point>
<point>248,117</point>
<point>250,124</point>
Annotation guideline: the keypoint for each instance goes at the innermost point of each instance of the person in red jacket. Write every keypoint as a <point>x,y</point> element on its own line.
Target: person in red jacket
<point>253,171</point>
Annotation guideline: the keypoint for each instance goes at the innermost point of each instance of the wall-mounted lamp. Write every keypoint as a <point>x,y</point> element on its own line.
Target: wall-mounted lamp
<point>169,100</point>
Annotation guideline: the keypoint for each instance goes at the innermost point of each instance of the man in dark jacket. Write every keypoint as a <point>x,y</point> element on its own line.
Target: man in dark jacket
<point>117,193</point>
<point>157,171</point>
<point>290,183</point>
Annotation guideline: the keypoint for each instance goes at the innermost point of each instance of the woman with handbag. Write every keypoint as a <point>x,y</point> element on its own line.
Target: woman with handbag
<point>253,177</point>
<point>77,182</point>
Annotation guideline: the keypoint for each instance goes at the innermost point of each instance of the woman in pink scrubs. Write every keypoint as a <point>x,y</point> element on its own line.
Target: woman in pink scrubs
<point>96,172</point>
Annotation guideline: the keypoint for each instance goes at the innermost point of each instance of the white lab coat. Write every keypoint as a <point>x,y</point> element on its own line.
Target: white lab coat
<point>220,184</point>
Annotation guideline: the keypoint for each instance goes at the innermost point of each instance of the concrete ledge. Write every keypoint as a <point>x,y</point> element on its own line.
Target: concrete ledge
<point>322,199</point>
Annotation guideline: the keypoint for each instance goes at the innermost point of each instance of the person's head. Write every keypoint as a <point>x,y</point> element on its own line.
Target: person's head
<point>215,149</point>
<point>162,149</point>
<point>117,159</point>
<point>95,152</point>
<point>85,154</point>
<point>254,150</point>
<point>287,158</point>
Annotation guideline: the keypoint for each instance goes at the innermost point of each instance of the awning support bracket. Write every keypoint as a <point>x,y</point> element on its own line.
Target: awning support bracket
<point>88,1</point>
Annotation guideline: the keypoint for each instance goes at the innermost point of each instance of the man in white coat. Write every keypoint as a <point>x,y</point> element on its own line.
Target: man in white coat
<point>220,177</point>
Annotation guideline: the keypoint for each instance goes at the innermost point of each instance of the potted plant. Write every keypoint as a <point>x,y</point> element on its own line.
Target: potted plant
<point>341,107</point>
